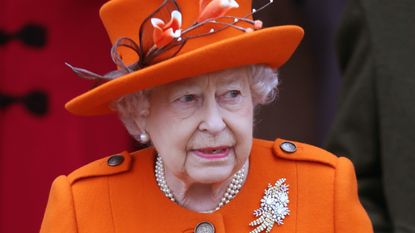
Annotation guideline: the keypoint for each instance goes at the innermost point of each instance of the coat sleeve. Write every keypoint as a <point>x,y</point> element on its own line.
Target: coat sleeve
<point>60,214</point>
<point>349,215</point>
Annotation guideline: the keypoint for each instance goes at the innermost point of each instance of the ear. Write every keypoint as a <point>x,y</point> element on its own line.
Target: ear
<point>142,116</point>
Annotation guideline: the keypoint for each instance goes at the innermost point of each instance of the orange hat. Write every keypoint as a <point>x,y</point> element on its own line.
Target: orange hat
<point>157,42</point>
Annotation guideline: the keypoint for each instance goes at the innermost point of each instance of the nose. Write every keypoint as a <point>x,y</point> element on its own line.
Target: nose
<point>212,120</point>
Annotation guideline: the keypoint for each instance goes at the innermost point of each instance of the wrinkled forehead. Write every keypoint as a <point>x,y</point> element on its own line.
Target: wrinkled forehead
<point>234,76</point>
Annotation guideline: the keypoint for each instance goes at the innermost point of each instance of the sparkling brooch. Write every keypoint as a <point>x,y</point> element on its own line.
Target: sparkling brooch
<point>274,207</point>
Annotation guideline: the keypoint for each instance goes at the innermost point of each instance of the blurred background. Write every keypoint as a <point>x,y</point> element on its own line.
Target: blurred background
<point>39,140</point>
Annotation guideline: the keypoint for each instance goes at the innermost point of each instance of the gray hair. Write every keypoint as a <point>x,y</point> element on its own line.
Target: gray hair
<point>132,108</point>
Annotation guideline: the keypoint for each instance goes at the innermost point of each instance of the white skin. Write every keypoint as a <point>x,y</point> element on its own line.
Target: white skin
<point>202,129</point>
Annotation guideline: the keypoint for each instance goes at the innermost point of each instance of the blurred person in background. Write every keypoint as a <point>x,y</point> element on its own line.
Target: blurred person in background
<point>375,122</point>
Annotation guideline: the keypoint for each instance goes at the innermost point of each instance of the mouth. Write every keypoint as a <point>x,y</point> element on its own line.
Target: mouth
<point>212,152</point>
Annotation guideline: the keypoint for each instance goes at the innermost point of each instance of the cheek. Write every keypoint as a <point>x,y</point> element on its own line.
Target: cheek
<point>170,135</point>
<point>241,125</point>
<point>244,119</point>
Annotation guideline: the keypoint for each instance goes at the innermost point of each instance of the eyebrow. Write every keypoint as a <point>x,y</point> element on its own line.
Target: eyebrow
<point>233,79</point>
<point>230,79</point>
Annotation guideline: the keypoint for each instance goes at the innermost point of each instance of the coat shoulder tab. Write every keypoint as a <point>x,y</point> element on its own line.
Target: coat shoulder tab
<point>110,165</point>
<point>303,152</point>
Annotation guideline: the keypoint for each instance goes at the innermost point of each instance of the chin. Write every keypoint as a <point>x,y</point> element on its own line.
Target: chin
<point>211,175</point>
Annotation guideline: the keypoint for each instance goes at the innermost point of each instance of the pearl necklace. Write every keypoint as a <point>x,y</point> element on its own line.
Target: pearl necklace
<point>230,193</point>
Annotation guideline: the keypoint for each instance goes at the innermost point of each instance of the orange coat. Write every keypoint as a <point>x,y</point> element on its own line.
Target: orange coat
<point>126,199</point>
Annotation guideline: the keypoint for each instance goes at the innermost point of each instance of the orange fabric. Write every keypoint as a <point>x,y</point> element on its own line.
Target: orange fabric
<point>323,196</point>
<point>225,49</point>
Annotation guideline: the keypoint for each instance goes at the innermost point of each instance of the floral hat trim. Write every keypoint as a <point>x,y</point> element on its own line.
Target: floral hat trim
<point>162,39</point>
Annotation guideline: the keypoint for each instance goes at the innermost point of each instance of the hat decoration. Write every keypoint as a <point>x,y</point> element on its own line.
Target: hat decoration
<point>161,35</point>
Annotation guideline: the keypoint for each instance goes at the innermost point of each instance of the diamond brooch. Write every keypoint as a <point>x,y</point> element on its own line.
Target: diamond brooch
<point>274,207</point>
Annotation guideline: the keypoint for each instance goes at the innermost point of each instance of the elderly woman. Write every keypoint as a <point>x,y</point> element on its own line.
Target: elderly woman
<point>190,85</point>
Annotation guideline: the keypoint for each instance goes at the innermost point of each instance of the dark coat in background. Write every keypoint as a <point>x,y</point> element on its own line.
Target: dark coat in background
<point>375,124</point>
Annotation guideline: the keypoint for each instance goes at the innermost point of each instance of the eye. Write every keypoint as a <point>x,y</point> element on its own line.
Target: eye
<point>184,105</point>
<point>187,98</point>
<point>231,97</point>
<point>232,94</point>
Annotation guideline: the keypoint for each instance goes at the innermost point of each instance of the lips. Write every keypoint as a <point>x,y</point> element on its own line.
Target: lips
<point>213,152</point>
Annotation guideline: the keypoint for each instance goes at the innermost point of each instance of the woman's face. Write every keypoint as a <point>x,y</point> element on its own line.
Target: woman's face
<point>202,127</point>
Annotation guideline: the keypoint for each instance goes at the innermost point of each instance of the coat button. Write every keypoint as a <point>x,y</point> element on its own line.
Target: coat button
<point>204,227</point>
<point>115,160</point>
<point>288,147</point>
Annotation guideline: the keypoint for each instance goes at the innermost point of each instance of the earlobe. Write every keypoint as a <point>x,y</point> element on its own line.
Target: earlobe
<point>143,137</point>
<point>141,119</point>
<point>141,123</point>
<point>144,113</point>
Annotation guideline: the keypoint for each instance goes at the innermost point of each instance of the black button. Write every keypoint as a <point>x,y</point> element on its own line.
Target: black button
<point>34,35</point>
<point>204,227</point>
<point>115,160</point>
<point>36,101</point>
<point>288,147</point>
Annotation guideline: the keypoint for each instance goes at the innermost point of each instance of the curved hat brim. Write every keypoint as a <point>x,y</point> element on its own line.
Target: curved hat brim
<point>271,46</point>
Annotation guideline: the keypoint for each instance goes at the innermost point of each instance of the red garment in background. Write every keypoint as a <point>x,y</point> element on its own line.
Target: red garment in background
<point>36,149</point>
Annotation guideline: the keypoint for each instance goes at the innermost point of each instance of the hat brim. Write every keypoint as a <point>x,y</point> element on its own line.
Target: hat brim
<point>271,46</point>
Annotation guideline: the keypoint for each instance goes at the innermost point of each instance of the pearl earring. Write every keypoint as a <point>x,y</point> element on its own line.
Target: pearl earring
<point>143,137</point>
